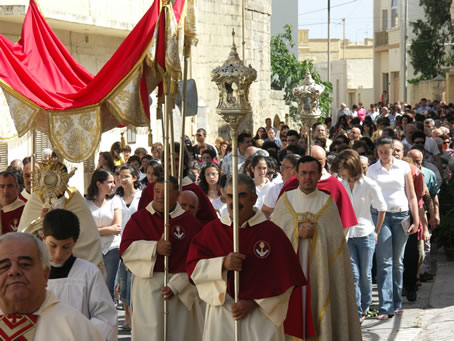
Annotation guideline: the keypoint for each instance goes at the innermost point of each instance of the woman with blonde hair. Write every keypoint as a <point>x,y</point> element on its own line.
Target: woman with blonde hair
<point>361,237</point>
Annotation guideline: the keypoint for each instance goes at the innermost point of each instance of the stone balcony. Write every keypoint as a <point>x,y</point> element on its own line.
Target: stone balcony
<point>381,39</point>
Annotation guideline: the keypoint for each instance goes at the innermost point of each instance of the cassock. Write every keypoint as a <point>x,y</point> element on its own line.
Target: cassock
<point>330,185</point>
<point>10,216</point>
<point>88,245</point>
<point>325,260</point>
<point>138,249</point>
<point>270,272</point>
<point>80,284</point>
<point>205,213</point>
<point>56,321</point>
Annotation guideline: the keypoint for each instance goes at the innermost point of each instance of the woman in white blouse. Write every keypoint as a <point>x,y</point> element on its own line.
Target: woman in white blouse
<point>107,215</point>
<point>259,168</point>
<point>128,195</point>
<point>394,178</point>
<point>361,237</point>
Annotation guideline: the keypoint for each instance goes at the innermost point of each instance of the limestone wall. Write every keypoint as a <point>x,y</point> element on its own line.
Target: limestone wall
<point>217,18</point>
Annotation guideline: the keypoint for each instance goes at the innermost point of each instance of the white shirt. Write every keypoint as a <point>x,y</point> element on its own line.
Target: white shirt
<point>270,198</point>
<point>127,212</point>
<point>262,193</point>
<point>365,191</point>
<point>392,184</point>
<point>104,216</point>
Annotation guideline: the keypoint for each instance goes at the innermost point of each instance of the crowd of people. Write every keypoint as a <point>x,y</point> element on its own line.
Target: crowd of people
<point>315,231</point>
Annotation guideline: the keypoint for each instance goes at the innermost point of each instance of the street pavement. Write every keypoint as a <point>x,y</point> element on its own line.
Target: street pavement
<point>429,318</point>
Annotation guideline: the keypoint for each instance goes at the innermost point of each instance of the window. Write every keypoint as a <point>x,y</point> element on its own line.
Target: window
<point>385,20</point>
<point>394,13</point>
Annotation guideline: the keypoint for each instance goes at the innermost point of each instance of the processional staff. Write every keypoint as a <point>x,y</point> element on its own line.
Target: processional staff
<point>308,94</point>
<point>233,80</point>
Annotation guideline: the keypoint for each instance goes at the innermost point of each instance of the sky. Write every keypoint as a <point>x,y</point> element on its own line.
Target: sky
<point>358,14</point>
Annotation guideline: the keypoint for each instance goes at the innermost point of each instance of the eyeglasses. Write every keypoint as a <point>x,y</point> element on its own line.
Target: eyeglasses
<point>212,174</point>
<point>199,135</point>
<point>446,142</point>
<point>117,174</point>
<point>286,167</point>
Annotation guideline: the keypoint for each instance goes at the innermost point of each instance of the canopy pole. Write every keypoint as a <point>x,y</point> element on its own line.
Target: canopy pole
<point>187,52</point>
<point>236,227</point>
<point>172,136</point>
<point>166,197</point>
<point>33,158</point>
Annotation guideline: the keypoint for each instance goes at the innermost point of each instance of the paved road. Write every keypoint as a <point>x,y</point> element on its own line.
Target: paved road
<point>429,318</point>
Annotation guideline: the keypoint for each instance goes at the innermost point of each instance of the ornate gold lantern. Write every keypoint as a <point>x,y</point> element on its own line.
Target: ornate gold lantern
<point>308,94</point>
<point>233,80</point>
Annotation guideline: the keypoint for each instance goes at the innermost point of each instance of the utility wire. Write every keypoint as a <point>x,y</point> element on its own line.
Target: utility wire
<point>324,9</point>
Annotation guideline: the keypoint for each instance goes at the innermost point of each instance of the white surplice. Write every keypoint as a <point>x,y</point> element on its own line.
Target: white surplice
<point>85,290</point>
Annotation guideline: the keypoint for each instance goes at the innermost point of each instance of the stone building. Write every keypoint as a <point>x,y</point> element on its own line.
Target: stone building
<point>351,67</point>
<point>92,34</point>
<point>390,70</point>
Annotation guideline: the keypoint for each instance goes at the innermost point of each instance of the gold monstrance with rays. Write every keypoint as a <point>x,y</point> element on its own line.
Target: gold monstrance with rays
<point>49,181</point>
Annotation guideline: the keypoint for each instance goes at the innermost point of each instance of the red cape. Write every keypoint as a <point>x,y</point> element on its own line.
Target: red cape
<point>206,212</point>
<point>336,189</point>
<point>269,275</point>
<point>145,226</point>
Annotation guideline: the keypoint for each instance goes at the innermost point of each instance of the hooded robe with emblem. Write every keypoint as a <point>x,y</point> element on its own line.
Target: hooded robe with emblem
<point>11,215</point>
<point>206,211</point>
<point>270,272</point>
<point>56,321</point>
<point>88,245</point>
<point>325,260</point>
<point>138,249</point>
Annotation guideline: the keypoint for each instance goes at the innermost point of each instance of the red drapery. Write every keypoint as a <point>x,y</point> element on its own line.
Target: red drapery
<point>39,74</point>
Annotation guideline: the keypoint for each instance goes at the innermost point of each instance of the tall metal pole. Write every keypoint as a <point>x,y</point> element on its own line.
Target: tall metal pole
<point>329,40</point>
<point>343,41</point>
<point>172,137</point>
<point>243,24</point>
<point>187,49</point>
<point>236,221</point>
<point>166,197</point>
<point>33,158</point>
<point>403,78</point>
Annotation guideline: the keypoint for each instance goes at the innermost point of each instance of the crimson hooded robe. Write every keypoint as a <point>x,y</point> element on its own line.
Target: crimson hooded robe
<point>205,213</point>
<point>271,268</point>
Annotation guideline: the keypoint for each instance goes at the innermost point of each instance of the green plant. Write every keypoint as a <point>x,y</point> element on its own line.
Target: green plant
<point>287,73</point>
<point>432,47</point>
<point>445,232</point>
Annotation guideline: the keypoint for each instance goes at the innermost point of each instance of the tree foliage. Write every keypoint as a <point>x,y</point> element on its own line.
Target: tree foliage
<point>432,47</point>
<point>287,73</point>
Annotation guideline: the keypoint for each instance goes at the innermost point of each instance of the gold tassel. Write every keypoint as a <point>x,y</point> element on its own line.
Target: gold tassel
<point>150,138</point>
<point>122,141</point>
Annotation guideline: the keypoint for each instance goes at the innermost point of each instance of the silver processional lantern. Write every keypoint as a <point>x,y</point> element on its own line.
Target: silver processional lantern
<point>233,80</point>
<point>308,95</point>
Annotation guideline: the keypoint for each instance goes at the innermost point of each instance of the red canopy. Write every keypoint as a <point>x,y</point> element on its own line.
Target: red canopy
<point>45,88</point>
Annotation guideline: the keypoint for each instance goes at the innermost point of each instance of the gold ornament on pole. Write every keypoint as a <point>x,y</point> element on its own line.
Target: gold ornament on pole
<point>308,95</point>
<point>233,80</point>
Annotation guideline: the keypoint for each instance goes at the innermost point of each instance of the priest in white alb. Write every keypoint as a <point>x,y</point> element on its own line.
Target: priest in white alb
<point>325,309</point>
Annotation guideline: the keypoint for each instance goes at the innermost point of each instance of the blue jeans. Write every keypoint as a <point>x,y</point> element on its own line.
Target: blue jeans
<point>390,267</point>
<point>361,255</point>
<point>111,261</point>
<point>124,280</point>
